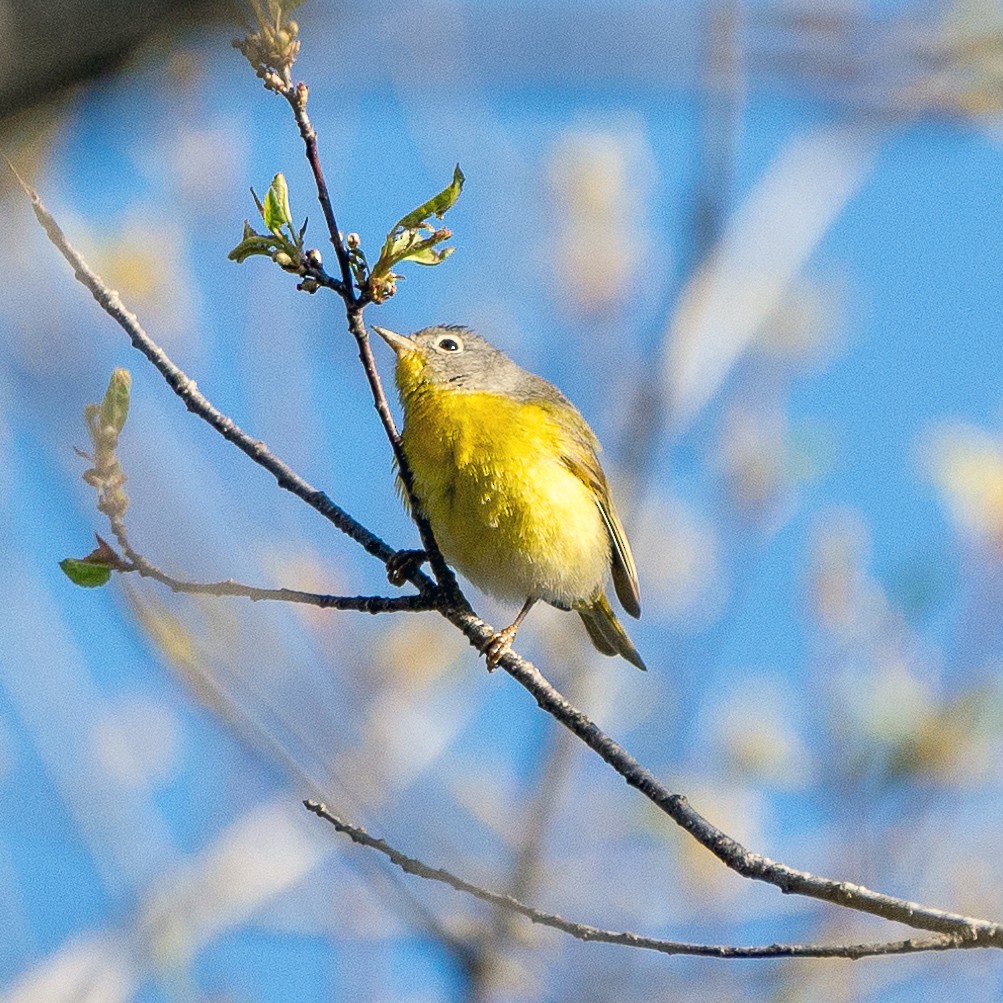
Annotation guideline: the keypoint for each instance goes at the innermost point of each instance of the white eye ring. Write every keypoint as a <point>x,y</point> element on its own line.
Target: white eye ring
<point>449,344</point>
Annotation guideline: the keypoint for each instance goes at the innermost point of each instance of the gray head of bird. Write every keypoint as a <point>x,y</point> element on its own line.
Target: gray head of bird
<point>456,357</point>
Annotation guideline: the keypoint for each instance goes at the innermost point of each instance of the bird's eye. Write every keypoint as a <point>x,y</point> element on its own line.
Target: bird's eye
<point>449,345</point>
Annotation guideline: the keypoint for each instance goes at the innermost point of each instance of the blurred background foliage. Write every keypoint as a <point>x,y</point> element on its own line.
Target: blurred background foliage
<point>758,244</point>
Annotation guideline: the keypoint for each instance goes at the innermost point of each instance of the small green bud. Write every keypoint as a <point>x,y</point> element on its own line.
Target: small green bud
<point>276,211</point>
<point>115,406</point>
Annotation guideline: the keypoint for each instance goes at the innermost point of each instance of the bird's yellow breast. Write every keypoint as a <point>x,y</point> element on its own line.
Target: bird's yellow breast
<point>505,509</point>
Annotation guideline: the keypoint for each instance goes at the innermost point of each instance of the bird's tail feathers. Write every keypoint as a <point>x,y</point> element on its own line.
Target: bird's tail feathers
<point>606,633</point>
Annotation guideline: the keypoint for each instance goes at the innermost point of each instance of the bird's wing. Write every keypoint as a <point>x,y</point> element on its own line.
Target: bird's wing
<point>580,458</point>
<point>624,569</point>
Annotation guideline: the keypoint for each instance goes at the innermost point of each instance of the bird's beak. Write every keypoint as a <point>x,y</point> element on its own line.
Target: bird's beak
<point>398,342</point>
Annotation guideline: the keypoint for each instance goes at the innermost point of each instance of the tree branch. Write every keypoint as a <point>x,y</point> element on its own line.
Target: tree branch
<point>196,402</point>
<point>296,95</point>
<point>581,931</point>
<point>969,931</point>
<point>363,604</point>
<point>729,851</point>
<point>137,563</point>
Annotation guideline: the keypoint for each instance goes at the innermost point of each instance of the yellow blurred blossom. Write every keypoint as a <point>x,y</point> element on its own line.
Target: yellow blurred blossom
<point>966,465</point>
<point>840,595</point>
<point>420,646</point>
<point>752,457</point>
<point>805,327</point>
<point>954,741</point>
<point>754,723</point>
<point>601,180</point>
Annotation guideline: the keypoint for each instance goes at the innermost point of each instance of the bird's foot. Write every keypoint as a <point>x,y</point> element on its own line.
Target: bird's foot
<point>499,646</point>
<point>404,564</point>
<point>501,642</point>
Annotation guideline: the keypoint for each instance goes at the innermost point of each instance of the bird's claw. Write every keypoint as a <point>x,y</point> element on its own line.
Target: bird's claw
<point>404,564</point>
<point>499,646</point>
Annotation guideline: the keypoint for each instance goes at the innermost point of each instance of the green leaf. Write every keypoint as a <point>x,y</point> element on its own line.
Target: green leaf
<point>95,569</point>
<point>87,574</point>
<point>395,247</point>
<point>92,413</point>
<point>276,212</point>
<point>412,239</point>
<point>426,256</point>
<point>436,205</point>
<point>111,413</point>
<point>420,248</point>
<point>279,9</point>
<point>410,245</point>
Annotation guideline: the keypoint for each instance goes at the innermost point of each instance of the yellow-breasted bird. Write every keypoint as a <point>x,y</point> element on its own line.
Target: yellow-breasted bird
<point>506,471</point>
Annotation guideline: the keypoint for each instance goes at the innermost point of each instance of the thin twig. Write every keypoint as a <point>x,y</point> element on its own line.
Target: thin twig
<point>131,561</point>
<point>582,931</point>
<point>363,604</point>
<point>296,95</point>
<point>136,562</point>
<point>196,402</point>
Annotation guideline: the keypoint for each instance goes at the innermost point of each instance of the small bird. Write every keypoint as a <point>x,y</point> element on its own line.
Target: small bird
<point>506,471</point>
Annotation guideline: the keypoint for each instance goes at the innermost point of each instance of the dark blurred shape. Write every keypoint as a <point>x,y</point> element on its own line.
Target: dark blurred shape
<point>47,47</point>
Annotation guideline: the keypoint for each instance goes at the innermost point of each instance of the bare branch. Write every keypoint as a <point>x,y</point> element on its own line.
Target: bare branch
<point>729,851</point>
<point>363,604</point>
<point>297,96</point>
<point>199,404</point>
<point>581,931</point>
<point>107,477</point>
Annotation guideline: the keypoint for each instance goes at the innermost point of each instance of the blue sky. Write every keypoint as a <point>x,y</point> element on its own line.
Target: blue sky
<point>121,773</point>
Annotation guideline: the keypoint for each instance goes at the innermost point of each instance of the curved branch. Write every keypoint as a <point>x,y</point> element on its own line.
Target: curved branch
<point>728,850</point>
<point>582,931</point>
<point>196,402</point>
